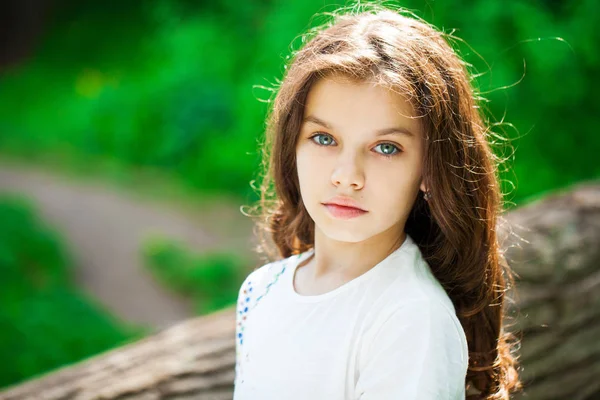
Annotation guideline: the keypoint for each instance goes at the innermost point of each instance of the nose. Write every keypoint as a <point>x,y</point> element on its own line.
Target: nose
<point>348,173</point>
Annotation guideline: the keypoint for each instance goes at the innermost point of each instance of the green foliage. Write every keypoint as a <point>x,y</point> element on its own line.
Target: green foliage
<point>45,322</point>
<point>170,85</point>
<point>211,280</point>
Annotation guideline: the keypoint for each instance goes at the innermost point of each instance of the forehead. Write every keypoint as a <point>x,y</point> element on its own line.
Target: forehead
<point>344,102</point>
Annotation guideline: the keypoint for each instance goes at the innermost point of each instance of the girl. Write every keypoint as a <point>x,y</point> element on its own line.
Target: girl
<point>380,199</point>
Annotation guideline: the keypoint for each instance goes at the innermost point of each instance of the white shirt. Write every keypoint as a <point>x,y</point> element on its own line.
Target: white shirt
<point>391,333</point>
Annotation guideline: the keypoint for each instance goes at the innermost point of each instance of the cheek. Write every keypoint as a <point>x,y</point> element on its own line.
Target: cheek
<point>396,186</point>
<point>302,166</point>
<point>305,172</point>
<point>310,168</point>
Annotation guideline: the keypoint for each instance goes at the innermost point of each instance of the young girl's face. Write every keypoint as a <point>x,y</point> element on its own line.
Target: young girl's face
<point>361,142</point>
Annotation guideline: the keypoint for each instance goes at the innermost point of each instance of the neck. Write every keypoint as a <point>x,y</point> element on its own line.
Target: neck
<point>349,259</point>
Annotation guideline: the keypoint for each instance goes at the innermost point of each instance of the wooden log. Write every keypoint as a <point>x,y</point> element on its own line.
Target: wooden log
<point>191,360</point>
<point>556,309</point>
<point>552,244</point>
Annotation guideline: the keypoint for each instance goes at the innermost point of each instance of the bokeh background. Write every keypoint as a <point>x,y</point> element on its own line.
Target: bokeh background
<point>128,141</point>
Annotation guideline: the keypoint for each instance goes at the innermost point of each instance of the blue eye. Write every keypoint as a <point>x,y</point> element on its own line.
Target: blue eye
<point>387,149</point>
<point>322,139</point>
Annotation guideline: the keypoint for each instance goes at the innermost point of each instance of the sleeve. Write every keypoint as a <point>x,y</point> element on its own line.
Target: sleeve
<point>416,354</point>
<point>240,318</point>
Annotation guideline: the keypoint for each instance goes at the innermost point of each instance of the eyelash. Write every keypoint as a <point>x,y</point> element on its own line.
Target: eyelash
<point>379,144</point>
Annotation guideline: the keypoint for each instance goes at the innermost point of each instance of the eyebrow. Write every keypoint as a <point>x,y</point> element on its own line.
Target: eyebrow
<point>380,132</point>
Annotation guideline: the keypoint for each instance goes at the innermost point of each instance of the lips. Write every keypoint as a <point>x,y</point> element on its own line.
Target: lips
<point>345,202</point>
<point>344,208</point>
<point>342,212</point>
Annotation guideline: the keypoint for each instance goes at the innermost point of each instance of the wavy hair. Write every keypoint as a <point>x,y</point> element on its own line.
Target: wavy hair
<point>456,229</point>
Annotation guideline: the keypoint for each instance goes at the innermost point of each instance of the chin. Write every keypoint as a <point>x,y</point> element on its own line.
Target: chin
<point>344,236</point>
<point>343,231</point>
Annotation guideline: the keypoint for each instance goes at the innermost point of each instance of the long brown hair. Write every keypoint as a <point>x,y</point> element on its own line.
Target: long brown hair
<point>456,229</point>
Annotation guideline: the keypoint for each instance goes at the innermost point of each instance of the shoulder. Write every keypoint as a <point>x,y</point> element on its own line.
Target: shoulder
<point>259,282</point>
<point>261,277</point>
<point>410,280</point>
<point>428,311</point>
<point>415,288</point>
<point>415,350</point>
<point>421,323</point>
<point>415,303</point>
<point>271,272</point>
<point>418,288</point>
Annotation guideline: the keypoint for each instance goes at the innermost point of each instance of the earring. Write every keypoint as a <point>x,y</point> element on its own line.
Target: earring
<point>427,195</point>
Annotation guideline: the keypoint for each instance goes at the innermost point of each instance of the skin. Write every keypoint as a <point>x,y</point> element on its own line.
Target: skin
<point>349,159</point>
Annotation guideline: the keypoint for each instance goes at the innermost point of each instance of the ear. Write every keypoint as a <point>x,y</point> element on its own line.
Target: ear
<point>422,187</point>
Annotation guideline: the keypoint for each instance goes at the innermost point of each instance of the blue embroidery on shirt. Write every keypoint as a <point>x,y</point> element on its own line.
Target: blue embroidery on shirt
<point>268,287</point>
<point>243,312</point>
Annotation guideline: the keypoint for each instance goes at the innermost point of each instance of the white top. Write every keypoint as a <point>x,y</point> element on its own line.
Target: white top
<point>391,333</point>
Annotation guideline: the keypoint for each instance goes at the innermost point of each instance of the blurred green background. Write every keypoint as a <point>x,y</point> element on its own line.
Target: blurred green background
<point>163,98</point>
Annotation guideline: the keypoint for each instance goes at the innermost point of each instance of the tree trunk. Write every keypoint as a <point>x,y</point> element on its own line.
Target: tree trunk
<point>552,244</point>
